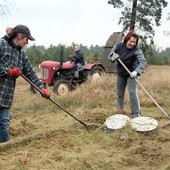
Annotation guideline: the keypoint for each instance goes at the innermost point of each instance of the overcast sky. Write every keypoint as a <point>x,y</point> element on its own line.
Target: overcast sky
<point>66,21</point>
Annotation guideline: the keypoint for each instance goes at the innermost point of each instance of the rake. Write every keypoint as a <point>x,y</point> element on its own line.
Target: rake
<point>87,126</point>
<point>145,90</point>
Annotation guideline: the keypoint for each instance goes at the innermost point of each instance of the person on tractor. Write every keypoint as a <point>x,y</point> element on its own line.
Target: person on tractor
<point>78,60</point>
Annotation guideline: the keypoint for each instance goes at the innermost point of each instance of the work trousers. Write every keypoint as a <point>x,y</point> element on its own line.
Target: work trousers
<point>122,82</point>
<point>77,68</point>
<point>4,124</point>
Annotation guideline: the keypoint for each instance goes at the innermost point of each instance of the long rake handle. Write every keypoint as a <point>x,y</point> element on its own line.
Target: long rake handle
<point>80,121</point>
<point>145,90</point>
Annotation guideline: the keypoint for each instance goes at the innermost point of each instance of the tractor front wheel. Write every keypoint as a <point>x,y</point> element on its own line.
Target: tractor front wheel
<point>61,87</point>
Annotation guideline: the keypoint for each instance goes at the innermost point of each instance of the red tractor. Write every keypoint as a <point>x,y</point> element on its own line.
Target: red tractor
<point>60,75</point>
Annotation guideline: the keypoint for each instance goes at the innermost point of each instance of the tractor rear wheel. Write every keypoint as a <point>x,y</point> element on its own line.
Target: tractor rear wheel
<point>96,71</point>
<point>61,87</point>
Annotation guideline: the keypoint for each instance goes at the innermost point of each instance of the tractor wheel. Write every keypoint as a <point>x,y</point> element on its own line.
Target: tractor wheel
<point>96,72</point>
<point>61,87</point>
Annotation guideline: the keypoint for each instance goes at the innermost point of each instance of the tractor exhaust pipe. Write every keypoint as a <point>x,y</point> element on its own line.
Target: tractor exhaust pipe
<point>61,56</point>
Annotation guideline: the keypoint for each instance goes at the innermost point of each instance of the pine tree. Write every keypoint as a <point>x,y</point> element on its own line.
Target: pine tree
<point>141,16</point>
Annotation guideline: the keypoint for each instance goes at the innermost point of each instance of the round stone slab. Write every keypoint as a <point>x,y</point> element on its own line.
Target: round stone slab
<point>117,121</point>
<point>143,124</point>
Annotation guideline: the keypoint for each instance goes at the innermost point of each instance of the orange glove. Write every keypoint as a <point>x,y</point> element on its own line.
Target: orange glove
<point>14,72</point>
<point>45,93</point>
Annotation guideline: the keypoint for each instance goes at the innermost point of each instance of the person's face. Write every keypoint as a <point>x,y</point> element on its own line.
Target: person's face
<point>131,43</point>
<point>76,48</point>
<point>22,41</point>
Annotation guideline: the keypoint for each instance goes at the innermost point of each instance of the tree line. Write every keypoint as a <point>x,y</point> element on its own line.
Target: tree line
<point>37,54</point>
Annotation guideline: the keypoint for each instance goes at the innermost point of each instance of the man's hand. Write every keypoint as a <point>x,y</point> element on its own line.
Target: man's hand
<point>133,74</point>
<point>70,56</point>
<point>45,93</point>
<point>114,57</point>
<point>14,72</point>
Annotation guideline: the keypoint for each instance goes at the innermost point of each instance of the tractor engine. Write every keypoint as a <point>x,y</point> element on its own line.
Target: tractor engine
<point>50,70</point>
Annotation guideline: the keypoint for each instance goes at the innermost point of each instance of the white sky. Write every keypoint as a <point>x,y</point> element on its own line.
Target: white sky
<point>66,21</point>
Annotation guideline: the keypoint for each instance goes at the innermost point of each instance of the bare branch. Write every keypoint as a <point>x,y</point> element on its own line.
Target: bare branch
<point>5,8</point>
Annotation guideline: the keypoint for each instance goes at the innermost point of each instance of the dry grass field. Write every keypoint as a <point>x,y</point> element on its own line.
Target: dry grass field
<point>43,137</point>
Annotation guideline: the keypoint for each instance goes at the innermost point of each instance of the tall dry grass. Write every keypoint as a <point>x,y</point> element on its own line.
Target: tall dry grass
<point>100,95</point>
<point>156,80</point>
<point>92,101</point>
<point>45,137</point>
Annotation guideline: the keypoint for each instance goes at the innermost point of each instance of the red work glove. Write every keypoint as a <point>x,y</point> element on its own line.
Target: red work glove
<point>45,93</point>
<point>14,72</point>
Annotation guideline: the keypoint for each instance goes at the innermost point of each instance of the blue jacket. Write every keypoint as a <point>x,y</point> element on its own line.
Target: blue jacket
<point>79,58</point>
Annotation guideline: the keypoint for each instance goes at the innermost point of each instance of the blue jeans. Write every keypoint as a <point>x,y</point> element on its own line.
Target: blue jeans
<point>122,82</point>
<point>4,124</point>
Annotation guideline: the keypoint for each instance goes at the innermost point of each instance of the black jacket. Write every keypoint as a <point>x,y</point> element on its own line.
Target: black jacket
<point>133,59</point>
<point>79,58</point>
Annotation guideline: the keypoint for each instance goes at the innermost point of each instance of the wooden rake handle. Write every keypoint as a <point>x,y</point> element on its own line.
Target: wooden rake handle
<point>145,90</point>
<point>80,121</point>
